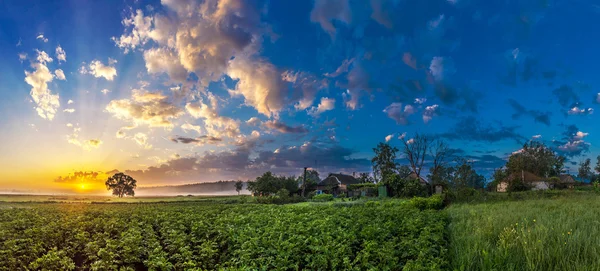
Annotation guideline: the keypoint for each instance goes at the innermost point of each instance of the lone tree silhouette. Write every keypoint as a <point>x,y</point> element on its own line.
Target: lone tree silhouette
<point>121,185</point>
<point>239,185</point>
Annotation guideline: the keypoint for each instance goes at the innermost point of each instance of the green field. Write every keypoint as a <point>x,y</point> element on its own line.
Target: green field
<point>378,235</point>
<point>541,234</point>
<point>526,231</point>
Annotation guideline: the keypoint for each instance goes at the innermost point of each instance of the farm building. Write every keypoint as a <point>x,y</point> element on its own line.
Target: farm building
<point>336,183</point>
<point>567,181</point>
<point>537,182</point>
<point>422,180</point>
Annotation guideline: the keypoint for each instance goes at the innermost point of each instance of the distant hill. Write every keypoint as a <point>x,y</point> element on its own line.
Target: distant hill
<point>214,188</point>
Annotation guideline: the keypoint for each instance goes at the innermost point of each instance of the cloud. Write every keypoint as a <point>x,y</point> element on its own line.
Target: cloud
<point>260,83</point>
<point>189,127</point>
<point>253,121</point>
<point>305,86</point>
<point>380,14</point>
<point>389,137</point>
<point>580,111</point>
<point>98,69</point>
<point>536,136</point>
<point>472,129</point>
<point>87,145</point>
<point>520,110</point>
<point>22,57</point>
<point>60,75</point>
<point>201,140</point>
<point>429,112</point>
<point>69,110</point>
<point>441,67</point>
<point>566,96</point>
<point>43,57</point>
<point>42,38</point>
<point>70,102</point>
<point>148,108</point>
<point>214,124</point>
<point>163,60</point>
<point>396,112</point>
<point>140,31</point>
<point>284,128</point>
<point>597,98</point>
<point>105,91</point>
<point>326,104</point>
<point>573,143</point>
<point>82,177</point>
<point>61,55</point>
<point>142,140</point>
<point>325,11</point>
<point>46,102</point>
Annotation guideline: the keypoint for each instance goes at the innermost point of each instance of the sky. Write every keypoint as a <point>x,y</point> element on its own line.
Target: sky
<point>184,91</point>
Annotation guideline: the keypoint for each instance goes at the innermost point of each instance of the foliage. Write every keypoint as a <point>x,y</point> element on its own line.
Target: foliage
<point>536,158</point>
<point>365,178</point>
<point>585,170</point>
<point>269,184</point>
<point>322,197</point>
<point>312,179</point>
<point>361,186</point>
<point>121,185</point>
<point>384,162</point>
<point>544,234</point>
<point>435,202</point>
<point>405,187</point>
<point>211,236</point>
<point>239,185</point>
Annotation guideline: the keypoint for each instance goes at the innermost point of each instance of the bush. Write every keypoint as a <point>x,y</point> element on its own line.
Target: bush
<point>435,202</point>
<point>322,197</point>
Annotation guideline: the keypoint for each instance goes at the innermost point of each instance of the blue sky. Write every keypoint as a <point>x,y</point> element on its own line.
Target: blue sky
<point>187,91</point>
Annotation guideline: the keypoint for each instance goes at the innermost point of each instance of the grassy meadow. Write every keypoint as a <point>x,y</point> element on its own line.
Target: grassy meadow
<point>541,234</point>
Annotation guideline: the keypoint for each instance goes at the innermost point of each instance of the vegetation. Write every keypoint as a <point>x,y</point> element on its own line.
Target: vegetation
<point>269,184</point>
<point>545,234</point>
<point>239,185</point>
<point>387,235</point>
<point>121,185</point>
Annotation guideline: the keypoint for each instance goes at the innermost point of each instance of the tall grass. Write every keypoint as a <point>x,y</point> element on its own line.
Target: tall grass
<point>541,234</point>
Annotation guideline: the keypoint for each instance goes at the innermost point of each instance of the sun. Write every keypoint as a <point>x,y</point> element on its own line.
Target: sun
<point>82,186</point>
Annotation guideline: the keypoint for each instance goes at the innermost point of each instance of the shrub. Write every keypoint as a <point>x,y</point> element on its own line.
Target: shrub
<point>322,197</point>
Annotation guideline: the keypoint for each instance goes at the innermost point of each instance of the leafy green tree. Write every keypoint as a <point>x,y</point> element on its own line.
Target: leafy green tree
<point>405,187</point>
<point>269,184</point>
<point>239,185</point>
<point>384,162</point>
<point>597,167</point>
<point>536,158</point>
<point>312,179</point>
<point>585,170</point>
<point>365,178</point>
<point>121,185</point>
<point>404,171</point>
<point>465,176</point>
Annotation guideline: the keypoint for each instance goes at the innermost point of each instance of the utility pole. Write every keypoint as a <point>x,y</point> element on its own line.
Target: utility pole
<point>304,182</point>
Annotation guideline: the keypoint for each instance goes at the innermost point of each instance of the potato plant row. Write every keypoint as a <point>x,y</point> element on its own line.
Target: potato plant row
<point>212,236</point>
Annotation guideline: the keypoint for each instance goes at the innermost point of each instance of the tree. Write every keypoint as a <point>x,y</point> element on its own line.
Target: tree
<point>365,178</point>
<point>312,179</point>
<point>585,169</point>
<point>439,152</point>
<point>415,150</point>
<point>121,185</point>
<point>269,184</point>
<point>384,162</point>
<point>465,176</point>
<point>597,167</point>
<point>404,171</point>
<point>536,158</point>
<point>239,185</point>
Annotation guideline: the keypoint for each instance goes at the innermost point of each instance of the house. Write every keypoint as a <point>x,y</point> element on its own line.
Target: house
<point>336,183</point>
<point>537,182</point>
<point>567,181</point>
<point>422,180</point>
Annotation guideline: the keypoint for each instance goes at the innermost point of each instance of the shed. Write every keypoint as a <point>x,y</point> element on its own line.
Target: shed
<point>336,183</point>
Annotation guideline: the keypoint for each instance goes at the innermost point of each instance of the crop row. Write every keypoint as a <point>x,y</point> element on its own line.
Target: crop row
<point>208,236</point>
